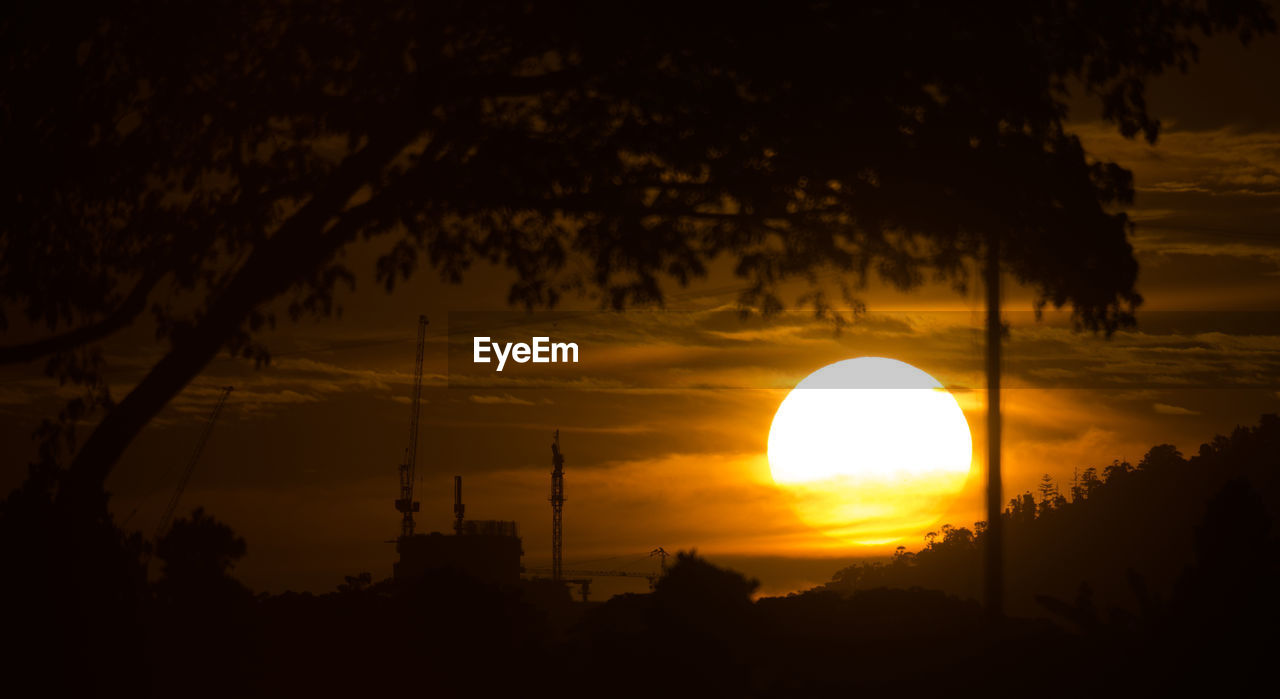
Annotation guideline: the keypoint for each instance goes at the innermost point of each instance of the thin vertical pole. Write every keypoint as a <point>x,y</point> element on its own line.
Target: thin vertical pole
<point>557,510</point>
<point>993,562</point>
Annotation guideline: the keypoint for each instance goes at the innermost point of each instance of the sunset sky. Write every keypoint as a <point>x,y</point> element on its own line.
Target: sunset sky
<point>665,419</point>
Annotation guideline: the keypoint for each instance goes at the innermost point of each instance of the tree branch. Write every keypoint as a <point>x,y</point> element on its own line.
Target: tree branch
<point>301,244</point>
<point>122,316</point>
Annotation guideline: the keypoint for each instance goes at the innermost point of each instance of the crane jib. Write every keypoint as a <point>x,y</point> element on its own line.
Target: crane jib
<point>405,504</point>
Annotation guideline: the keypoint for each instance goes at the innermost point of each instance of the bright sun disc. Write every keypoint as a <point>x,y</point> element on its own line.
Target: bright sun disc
<point>874,449</point>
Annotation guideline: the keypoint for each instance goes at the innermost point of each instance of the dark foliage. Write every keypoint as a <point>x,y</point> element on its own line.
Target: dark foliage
<point>207,164</point>
<point>1146,520</point>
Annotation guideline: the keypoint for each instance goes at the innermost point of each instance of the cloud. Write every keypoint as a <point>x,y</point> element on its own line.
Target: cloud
<point>1218,161</point>
<point>288,381</point>
<point>1165,409</point>
<point>1204,213</point>
<point>504,399</point>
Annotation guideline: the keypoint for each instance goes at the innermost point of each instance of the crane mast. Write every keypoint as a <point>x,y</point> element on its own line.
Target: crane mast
<point>459,509</point>
<point>191,463</point>
<point>557,506</point>
<point>406,504</point>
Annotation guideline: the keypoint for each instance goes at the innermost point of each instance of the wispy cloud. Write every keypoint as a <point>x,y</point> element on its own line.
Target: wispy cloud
<point>1219,161</point>
<point>504,399</point>
<point>1165,409</point>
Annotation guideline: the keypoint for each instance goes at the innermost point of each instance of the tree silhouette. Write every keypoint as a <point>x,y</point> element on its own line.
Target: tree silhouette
<point>74,591</point>
<point>699,625</point>
<point>1161,456</point>
<point>202,627</point>
<point>356,583</point>
<point>1089,481</point>
<point>199,163</point>
<point>1116,471</point>
<point>1048,489</point>
<point>1128,541</point>
<point>197,554</point>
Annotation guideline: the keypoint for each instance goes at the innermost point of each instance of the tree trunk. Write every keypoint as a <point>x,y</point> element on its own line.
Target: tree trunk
<point>309,238</point>
<point>993,558</point>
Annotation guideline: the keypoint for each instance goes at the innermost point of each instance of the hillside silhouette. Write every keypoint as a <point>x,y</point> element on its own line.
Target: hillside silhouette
<point>1188,539</point>
<point>1123,531</point>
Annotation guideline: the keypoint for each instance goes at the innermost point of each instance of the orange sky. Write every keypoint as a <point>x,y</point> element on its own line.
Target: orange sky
<point>664,421</point>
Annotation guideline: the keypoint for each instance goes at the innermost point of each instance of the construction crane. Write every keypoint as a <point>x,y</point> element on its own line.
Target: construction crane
<point>406,505</point>
<point>651,577</point>
<point>459,509</point>
<point>662,554</point>
<point>557,507</point>
<point>583,578</point>
<point>163,526</point>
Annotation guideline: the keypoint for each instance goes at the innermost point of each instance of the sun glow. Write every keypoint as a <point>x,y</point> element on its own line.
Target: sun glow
<point>873,449</point>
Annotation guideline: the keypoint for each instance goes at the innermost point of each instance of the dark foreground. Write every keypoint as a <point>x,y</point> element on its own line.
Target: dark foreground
<point>86,619</point>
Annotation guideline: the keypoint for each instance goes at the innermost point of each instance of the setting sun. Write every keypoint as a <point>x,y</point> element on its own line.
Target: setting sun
<point>873,449</point>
